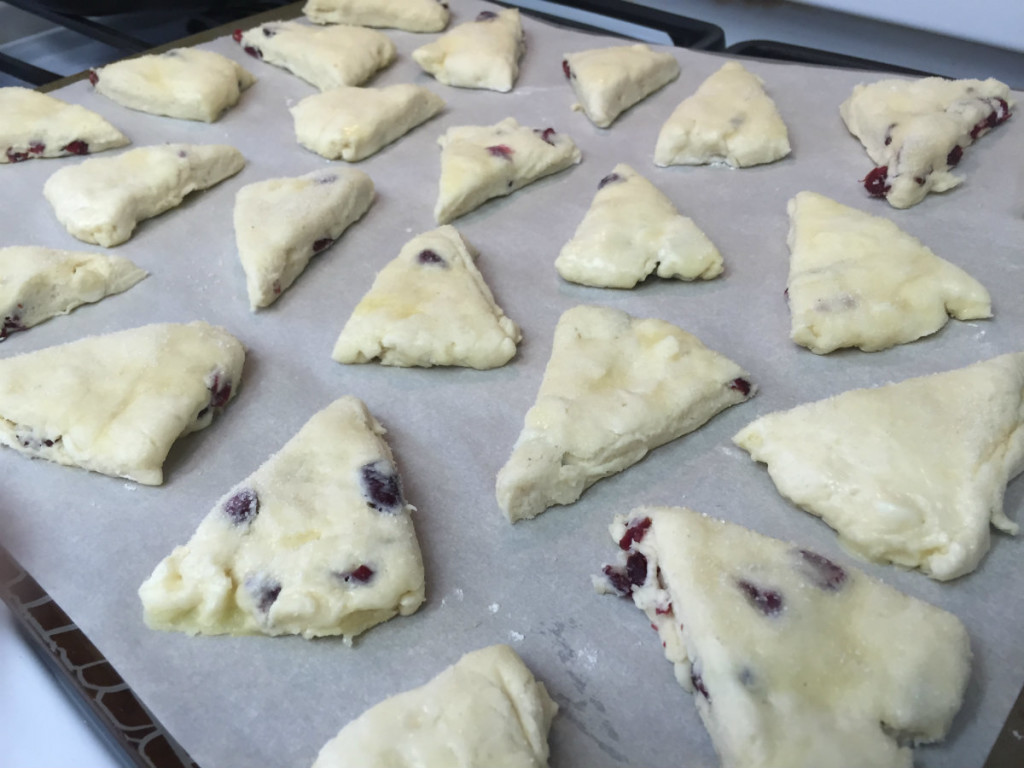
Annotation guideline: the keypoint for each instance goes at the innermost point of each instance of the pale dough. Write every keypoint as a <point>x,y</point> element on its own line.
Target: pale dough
<point>429,306</point>
<point>916,130</point>
<point>614,388</point>
<point>280,224</point>
<point>485,711</point>
<point>39,283</point>
<point>910,473</point>
<point>409,15</point>
<point>116,403</point>
<point>608,81</point>
<point>631,231</point>
<point>483,53</point>
<point>34,124</point>
<point>187,83</point>
<point>102,200</point>
<point>326,57</point>
<point>857,280</point>
<point>354,123</point>
<point>481,162</point>
<point>730,119</point>
<point>794,660</point>
<point>317,541</point>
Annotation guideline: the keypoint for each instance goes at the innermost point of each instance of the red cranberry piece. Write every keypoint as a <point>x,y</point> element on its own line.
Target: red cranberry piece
<point>698,684</point>
<point>565,68</point>
<point>220,391</point>
<point>16,157</point>
<point>501,150</point>
<point>609,179</point>
<point>767,601</point>
<point>362,575</point>
<point>76,147</point>
<point>1002,112</point>
<point>823,573</point>
<point>11,324</point>
<point>663,611</point>
<point>875,182</point>
<point>954,155</point>
<point>635,533</point>
<point>618,580</point>
<point>322,243</point>
<point>427,256</point>
<point>264,592</point>
<point>546,134</point>
<point>486,16</point>
<point>381,486</point>
<point>237,35</point>
<point>919,180</point>
<point>242,507</point>
<point>253,51</point>
<point>36,148</point>
<point>93,77</point>
<point>741,385</point>
<point>636,568</point>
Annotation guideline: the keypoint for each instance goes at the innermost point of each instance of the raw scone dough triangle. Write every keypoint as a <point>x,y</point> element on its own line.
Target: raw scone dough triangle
<point>326,57</point>
<point>916,131</point>
<point>354,123</point>
<point>39,283</point>
<point>280,224</point>
<point>483,53</point>
<point>429,306</point>
<point>614,388</point>
<point>409,15</point>
<point>102,200</point>
<point>187,83</point>
<point>116,403</point>
<point>608,81</point>
<point>34,124</point>
<point>631,231</point>
<point>317,541</point>
<point>857,280</point>
<point>794,660</point>
<point>485,711</point>
<point>481,162</point>
<point>730,119</point>
<point>911,473</point>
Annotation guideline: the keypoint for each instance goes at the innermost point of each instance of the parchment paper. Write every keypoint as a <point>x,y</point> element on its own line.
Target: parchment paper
<point>91,540</point>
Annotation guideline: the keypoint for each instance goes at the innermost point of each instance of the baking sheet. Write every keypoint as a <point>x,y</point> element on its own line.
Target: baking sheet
<point>90,540</point>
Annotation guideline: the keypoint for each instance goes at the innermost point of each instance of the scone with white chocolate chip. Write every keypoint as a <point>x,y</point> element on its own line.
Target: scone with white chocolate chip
<point>408,15</point>
<point>483,53</point>
<point>317,541</point>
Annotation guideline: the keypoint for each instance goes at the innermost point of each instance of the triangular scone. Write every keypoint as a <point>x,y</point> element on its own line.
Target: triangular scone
<point>483,53</point>
<point>485,711</point>
<point>317,541</point>
<point>916,131</point>
<point>608,81</point>
<point>409,15</point>
<point>857,280</point>
<point>38,283</point>
<point>614,388</point>
<point>280,224</point>
<point>327,57</point>
<point>631,231</point>
<point>102,200</point>
<point>429,306</point>
<point>480,162</point>
<point>354,123</point>
<point>730,119</point>
<point>911,473</point>
<point>187,83</point>
<point>116,403</point>
<point>34,124</point>
<point>794,660</point>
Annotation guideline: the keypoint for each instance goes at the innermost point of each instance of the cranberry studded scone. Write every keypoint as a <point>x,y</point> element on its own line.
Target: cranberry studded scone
<point>911,473</point>
<point>429,306</point>
<point>408,15</point>
<point>39,283</point>
<point>794,661</point>
<point>915,131</point>
<point>318,541</point>
<point>116,403</point>
<point>188,83</point>
<point>326,57</point>
<point>486,710</point>
<point>730,119</point>
<point>34,124</point>
<point>631,231</point>
<point>280,224</point>
<point>608,81</point>
<point>614,388</point>
<point>102,200</point>
<point>483,53</point>
<point>354,123</point>
<point>481,162</point>
<point>857,280</point>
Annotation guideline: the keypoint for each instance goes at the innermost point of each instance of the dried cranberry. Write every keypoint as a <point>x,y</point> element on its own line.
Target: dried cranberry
<point>636,568</point>
<point>635,533</point>
<point>242,507</point>
<point>698,684</point>
<point>381,486</point>
<point>501,150</point>
<point>253,51</point>
<point>546,134</point>
<point>663,611</point>
<point>618,580</point>
<point>767,601</point>
<point>237,35</point>
<point>264,592</point>
<point>16,157</point>
<point>565,68</point>
<point>220,391</point>
<point>11,324</point>
<point>427,256</point>
<point>93,77</point>
<point>741,385</point>
<point>954,155</point>
<point>322,243</point>
<point>362,574</point>
<point>822,572</point>
<point>611,177</point>
<point>486,16</point>
<point>1002,113</point>
<point>919,180</point>
<point>76,147</point>
<point>876,181</point>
